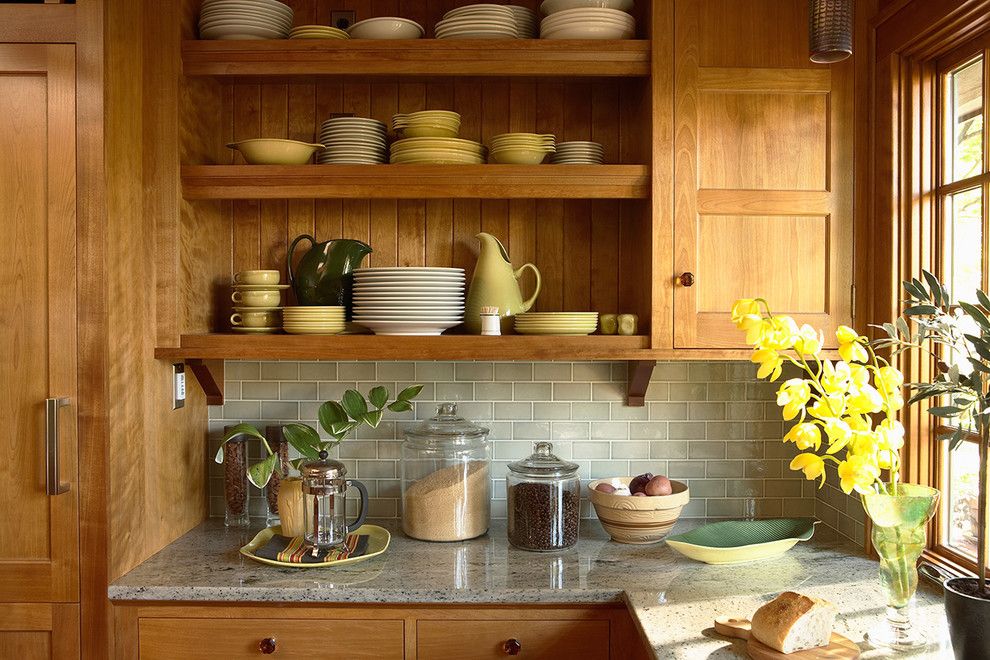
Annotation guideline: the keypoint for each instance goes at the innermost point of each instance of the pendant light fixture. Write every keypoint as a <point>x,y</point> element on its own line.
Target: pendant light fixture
<point>831,30</point>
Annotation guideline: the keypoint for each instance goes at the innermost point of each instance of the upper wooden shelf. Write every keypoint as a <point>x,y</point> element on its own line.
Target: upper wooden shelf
<point>372,347</point>
<point>418,57</point>
<point>415,181</point>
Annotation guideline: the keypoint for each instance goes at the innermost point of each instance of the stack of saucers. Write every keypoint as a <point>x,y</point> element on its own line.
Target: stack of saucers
<point>556,323</point>
<point>244,19</point>
<point>527,27</point>
<point>437,151</point>
<point>353,140</point>
<point>313,320</point>
<point>521,148</point>
<point>317,32</point>
<point>478,22</point>
<point>427,123</point>
<point>578,153</point>
<point>588,23</point>
<point>408,301</point>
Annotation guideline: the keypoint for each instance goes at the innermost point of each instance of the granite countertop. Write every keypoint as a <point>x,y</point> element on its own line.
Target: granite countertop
<point>673,599</point>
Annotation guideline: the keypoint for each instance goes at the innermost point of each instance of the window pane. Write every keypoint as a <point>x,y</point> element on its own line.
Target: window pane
<point>960,478</point>
<point>966,97</point>
<point>964,243</point>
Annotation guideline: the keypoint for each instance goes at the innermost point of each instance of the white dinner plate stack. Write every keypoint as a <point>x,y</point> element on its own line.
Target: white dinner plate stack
<point>527,25</point>
<point>478,22</point>
<point>353,140</point>
<point>588,23</point>
<point>244,19</point>
<point>578,153</point>
<point>408,301</point>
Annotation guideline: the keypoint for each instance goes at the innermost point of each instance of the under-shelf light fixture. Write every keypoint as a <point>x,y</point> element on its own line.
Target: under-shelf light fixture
<point>831,30</point>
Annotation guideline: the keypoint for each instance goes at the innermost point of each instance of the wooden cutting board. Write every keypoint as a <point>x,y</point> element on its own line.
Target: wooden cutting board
<point>839,648</point>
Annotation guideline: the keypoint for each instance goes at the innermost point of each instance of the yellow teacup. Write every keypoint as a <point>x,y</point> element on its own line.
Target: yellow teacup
<point>257,277</point>
<point>255,319</point>
<point>263,298</point>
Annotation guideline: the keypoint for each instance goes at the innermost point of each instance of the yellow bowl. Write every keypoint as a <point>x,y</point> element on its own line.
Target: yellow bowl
<point>275,151</point>
<point>519,156</point>
<point>453,144</point>
<point>425,130</point>
<point>638,520</point>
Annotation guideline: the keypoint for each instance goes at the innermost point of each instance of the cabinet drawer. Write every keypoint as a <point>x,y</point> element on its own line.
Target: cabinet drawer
<point>210,639</point>
<point>470,640</point>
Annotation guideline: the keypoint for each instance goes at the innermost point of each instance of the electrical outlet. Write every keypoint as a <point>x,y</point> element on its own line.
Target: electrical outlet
<point>178,385</point>
<point>342,19</point>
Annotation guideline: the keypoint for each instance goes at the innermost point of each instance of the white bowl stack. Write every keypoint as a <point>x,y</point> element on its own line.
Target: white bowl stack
<point>478,22</point>
<point>527,26</point>
<point>578,153</point>
<point>353,140</point>
<point>409,301</point>
<point>588,23</point>
<point>244,19</point>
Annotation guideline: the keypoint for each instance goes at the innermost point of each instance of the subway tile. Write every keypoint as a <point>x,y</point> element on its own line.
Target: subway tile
<point>259,391</point>
<point>671,411</point>
<point>434,371</point>
<point>688,392</point>
<point>609,430</point>
<point>298,391</point>
<point>670,371</point>
<point>648,430</point>
<point>694,509</point>
<point>744,450</point>
<point>685,469</point>
<point>477,411</point>
<point>725,469</point>
<point>744,488</point>
<point>638,466</point>
<point>705,372</point>
<point>769,508</point>
<point>356,371</point>
<point>605,469</point>
<point>493,391</point>
<point>455,391</point>
<point>593,450</point>
<point>741,371</point>
<point>376,469</point>
<point>513,372</point>
<point>706,411</point>
<point>358,449</point>
<point>280,371</point>
<point>556,372</point>
<point>241,370</point>
<point>531,430</point>
<point>279,410</point>
<point>798,507</point>
<point>532,391</point>
<point>395,371</point>
<point>620,411</point>
<point>334,390</point>
<point>764,430</point>
<point>687,430</point>
<point>706,449</point>
<point>657,391</point>
<point>572,391</point>
<point>571,430</point>
<point>763,469</point>
<point>726,431</point>
<point>745,411</point>
<point>511,450</point>
<point>727,392</point>
<point>591,371</point>
<point>620,371</point>
<point>317,371</point>
<point>514,411</point>
<point>629,449</point>
<point>587,410</point>
<point>474,371</point>
<point>234,410</point>
<point>783,488</point>
<point>669,449</point>
<point>707,487</point>
<point>552,411</point>
<point>724,508</point>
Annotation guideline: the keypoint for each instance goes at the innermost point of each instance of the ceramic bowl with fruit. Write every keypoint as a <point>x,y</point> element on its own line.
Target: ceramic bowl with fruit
<point>639,509</point>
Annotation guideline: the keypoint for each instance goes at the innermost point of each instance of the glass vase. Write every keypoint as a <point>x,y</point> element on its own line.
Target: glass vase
<point>900,515</point>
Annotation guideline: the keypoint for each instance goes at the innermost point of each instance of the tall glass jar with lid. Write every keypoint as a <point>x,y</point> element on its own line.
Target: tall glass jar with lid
<point>544,494</point>
<point>446,485</point>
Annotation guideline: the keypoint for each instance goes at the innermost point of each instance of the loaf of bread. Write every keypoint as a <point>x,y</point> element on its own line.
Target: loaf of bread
<point>792,622</point>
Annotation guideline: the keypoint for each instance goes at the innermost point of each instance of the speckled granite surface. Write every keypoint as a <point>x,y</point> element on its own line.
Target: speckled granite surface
<point>672,598</point>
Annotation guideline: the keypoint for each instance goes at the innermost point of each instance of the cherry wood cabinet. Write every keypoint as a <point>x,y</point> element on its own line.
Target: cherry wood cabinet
<point>40,631</point>
<point>39,527</point>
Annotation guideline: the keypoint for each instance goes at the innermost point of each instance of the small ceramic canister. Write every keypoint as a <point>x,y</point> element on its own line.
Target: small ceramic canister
<point>628,324</point>
<point>608,324</point>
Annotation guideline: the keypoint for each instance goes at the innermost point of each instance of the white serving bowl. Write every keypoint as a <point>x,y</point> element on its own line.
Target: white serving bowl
<point>588,32</point>
<point>386,27</point>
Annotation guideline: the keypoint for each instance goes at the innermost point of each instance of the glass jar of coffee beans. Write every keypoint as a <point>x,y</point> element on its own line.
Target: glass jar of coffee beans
<point>544,506</point>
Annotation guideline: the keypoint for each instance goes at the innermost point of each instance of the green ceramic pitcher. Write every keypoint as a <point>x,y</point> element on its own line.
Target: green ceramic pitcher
<point>324,275</point>
<point>496,284</point>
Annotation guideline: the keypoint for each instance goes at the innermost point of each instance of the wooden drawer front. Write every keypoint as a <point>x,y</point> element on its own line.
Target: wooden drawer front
<point>230,639</point>
<point>469,640</point>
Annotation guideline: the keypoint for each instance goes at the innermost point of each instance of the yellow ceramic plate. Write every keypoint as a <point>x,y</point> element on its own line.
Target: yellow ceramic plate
<point>378,540</point>
<point>738,541</point>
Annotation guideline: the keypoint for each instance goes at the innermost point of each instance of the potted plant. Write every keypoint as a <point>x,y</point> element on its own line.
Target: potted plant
<point>957,338</point>
<point>337,419</point>
<point>845,413</point>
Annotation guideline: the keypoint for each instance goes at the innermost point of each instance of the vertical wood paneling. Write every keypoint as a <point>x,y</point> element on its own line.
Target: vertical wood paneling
<point>383,212</point>
<point>274,123</point>
<point>247,125</point>
<point>522,212</point>
<point>411,213</point>
<point>550,213</point>
<point>329,214</point>
<point>439,213</point>
<point>467,212</point>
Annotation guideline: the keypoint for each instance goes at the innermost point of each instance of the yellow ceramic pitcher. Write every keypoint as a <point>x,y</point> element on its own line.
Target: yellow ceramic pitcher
<point>496,284</point>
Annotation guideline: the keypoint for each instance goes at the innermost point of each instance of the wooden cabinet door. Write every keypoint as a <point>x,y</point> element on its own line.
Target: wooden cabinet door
<point>481,640</point>
<point>40,631</point>
<point>763,170</point>
<point>39,530</point>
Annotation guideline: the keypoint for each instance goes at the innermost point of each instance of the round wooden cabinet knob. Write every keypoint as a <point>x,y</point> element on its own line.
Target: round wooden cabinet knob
<point>512,646</point>
<point>267,645</point>
<point>686,279</point>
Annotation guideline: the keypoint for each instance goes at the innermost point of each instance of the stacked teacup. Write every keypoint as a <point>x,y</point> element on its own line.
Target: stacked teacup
<point>257,298</point>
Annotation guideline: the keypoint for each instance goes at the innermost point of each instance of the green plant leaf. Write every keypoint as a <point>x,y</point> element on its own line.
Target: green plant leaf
<point>976,315</point>
<point>373,418</point>
<point>400,406</point>
<point>944,411</point>
<point>934,285</point>
<point>921,310</point>
<point>982,297</point>
<point>260,473</point>
<point>957,439</point>
<point>378,396</point>
<point>236,431</point>
<point>903,327</point>
<point>332,413</point>
<point>409,393</point>
<point>354,404</point>
<point>304,439</point>
<point>340,430</point>
<point>916,291</point>
<point>979,365</point>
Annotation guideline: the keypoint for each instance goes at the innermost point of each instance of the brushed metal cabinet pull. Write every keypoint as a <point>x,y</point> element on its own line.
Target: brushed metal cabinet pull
<point>53,485</point>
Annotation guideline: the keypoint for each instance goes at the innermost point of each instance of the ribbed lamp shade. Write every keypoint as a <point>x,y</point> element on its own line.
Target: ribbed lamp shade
<point>831,32</point>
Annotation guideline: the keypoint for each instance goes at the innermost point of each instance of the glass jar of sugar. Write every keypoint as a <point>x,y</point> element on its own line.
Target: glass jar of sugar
<point>446,485</point>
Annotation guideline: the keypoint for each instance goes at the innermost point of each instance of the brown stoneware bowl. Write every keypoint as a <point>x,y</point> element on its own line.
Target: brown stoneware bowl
<point>639,520</point>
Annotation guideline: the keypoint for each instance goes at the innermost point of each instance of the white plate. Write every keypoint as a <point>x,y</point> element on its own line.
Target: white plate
<point>588,32</point>
<point>366,276</point>
<point>386,27</point>
<point>409,269</point>
<point>215,20</point>
<point>553,6</point>
<point>239,33</point>
<point>413,318</point>
<point>409,328</point>
<point>275,5</point>
<point>477,35</point>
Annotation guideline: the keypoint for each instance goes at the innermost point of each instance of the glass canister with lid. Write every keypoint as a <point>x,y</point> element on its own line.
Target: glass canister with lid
<point>446,487</point>
<point>544,506</point>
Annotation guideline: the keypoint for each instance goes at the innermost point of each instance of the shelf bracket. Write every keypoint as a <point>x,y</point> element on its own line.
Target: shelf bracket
<point>210,376</point>
<point>639,374</point>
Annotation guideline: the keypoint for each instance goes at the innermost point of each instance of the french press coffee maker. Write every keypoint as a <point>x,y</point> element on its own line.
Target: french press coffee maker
<point>324,502</point>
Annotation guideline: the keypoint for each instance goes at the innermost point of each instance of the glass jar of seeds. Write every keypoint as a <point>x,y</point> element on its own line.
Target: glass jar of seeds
<point>544,506</point>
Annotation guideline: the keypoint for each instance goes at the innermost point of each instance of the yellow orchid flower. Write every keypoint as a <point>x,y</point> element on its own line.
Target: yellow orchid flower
<point>846,335</point>
<point>779,333</point>
<point>771,364</point>
<point>890,434</point>
<point>859,374</point>
<point>745,308</point>
<point>835,378</point>
<point>805,435</point>
<point>839,435</point>
<point>809,341</point>
<point>859,422</point>
<point>792,397</point>
<point>857,473</point>
<point>812,465</point>
<point>889,379</point>
<point>864,444</point>
<point>864,400</point>
<point>828,406</point>
<point>853,352</point>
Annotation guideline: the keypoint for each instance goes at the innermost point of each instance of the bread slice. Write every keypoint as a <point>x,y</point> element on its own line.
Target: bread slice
<point>792,622</point>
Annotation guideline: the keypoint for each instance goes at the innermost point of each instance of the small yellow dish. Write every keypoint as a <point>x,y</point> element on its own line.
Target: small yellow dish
<point>276,151</point>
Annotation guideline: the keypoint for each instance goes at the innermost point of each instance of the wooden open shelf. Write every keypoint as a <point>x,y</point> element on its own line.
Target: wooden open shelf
<point>415,181</point>
<point>288,59</point>
<point>222,346</point>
